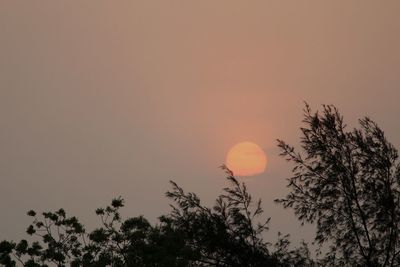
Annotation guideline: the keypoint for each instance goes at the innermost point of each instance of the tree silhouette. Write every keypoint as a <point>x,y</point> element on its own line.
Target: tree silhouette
<point>347,182</point>
<point>227,235</point>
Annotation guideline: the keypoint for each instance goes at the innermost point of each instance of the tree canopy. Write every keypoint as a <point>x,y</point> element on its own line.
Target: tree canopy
<point>347,183</point>
<point>227,234</point>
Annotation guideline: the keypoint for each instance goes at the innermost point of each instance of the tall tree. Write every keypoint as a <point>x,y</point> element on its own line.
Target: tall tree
<point>348,183</point>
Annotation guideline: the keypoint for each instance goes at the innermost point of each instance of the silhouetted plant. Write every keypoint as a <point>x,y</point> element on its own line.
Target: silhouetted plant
<point>347,182</point>
<point>227,234</point>
<point>289,256</point>
<point>62,238</point>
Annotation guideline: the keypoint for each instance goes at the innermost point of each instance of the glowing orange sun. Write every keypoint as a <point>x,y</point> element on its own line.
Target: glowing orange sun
<point>246,159</point>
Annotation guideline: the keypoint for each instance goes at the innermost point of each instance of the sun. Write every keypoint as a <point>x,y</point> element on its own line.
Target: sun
<point>246,159</point>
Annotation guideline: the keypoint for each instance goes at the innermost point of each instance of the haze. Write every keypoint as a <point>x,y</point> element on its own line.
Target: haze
<point>100,99</point>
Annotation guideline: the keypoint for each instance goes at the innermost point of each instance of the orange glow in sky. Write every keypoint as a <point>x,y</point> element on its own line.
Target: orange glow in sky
<point>246,159</point>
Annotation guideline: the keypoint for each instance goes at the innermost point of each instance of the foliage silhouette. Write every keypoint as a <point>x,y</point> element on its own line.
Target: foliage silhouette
<point>228,234</point>
<point>347,182</point>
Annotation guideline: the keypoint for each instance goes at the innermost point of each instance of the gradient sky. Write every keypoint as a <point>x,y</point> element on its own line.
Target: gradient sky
<point>102,98</point>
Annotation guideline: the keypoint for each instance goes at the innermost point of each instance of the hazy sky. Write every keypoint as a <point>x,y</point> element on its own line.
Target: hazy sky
<point>103,98</point>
